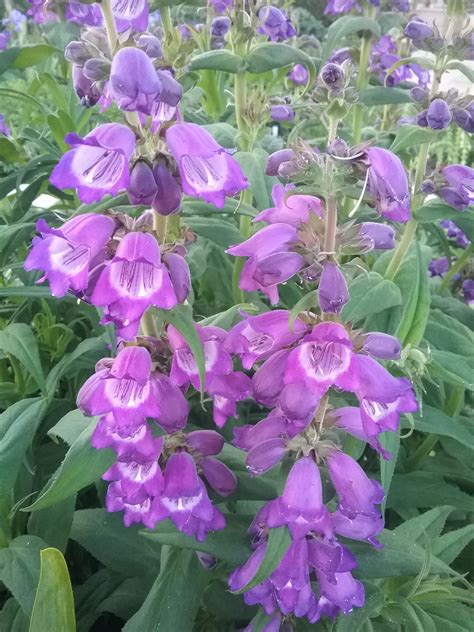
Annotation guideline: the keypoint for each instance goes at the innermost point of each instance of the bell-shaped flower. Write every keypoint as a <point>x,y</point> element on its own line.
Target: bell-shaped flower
<point>257,337</point>
<point>185,501</point>
<point>207,170</point>
<point>86,90</point>
<point>267,382</point>
<point>179,273</point>
<point>299,75</point>
<point>328,557</point>
<point>121,437</point>
<point>301,507</point>
<point>67,254</point>
<point>226,390</point>
<point>123,388</point>
<point>136,507</point>
<point>349,419</point>
<point>290,209</point>
<point>173,407</point>
<point>133,84</point>
<point>376,236</point>
<point>459,191</point>
<point>388,184</point>
<point>130,14</point>
<point>132,281</point>
<point>343,593</point>
<point>275,24</point>
<point>97,164</point>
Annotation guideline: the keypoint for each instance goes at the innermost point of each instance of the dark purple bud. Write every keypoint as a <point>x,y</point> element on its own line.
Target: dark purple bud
<point>468,290</point>
<point>422,119</point>
<point>179,274</point>
<point>465,120</point>
<point>84,88</point>
<point>77,53</point>
<point>151,45</point>
<point>439,115</point>
<point>276,159</point>
<point>427,187</point>
<point>382,346</point>
<point>453,197</point>
<point>418,94</point>
<point>207,561</point>
<point>171,90</point>
<point>142,188</point>
<point>220,26</point>
<point>338,148</point>
<point>417,30</point>
<point>168,196</point>
<point>282,113</point>
<point>332,76</point>
<point>378,236</point>
<point>97,69</point>
<point>333,293</point>
<point>265,455</point>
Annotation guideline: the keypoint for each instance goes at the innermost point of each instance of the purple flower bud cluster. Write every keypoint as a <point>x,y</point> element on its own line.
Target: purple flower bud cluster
<point>384,55</point>
<point>128,14</point>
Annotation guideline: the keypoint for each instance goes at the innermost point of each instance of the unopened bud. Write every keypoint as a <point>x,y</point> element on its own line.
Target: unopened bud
<point>418,94</point>
<point>382,346</point>
<point>77,53</point>
<point>97,69</point>
<point>332,76</point>
<point>168,196</point>
<point>378,236</point>
<point>276,159</point>
<point>142,188</point>
<point>220,26</point>
<point>282,113</point>
<point>84,87</point>
<point>417,30</point>
<point>439,115</point>
<point>333,293</point>
<point>151,45</point>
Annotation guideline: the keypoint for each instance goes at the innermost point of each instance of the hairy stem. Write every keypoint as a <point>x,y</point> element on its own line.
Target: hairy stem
<point>455,268</point>
<point>109,22</point>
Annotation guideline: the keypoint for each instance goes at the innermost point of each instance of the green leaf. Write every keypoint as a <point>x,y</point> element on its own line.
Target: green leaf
<point>18,58</point>
<point>53,524</point>
<point>434,421</point>
<point>92,348</point>
<point>268,56</point>
<point>452,368</point>
<point>81,467</point>
<point>448,618</point>
<point>468,72</point>
<point>230,545</point>
<point>455,308</point>
<point>12,617</point>
<point>370,294</point>
<point>430,524</point>
<point>347,25</point>
<point>412,136</point>
<point>181,317</point>
<point>174,599</point>
<point>223,60</point>
<point>374,601</point>
<point>53,608</point>
<point>253,166</point>
<point>416,310</point>
<point>9,152</point>
<point>422,489</point>
<point>379,95</point>
<point>391,442</point>
<point>18,340</point>
<point>231,207</point>
<point>20,569</point>
<point>17,428</point>
<point>305,303</point>
<point>230,317</point>
<point>120,548</point>
<point>278,543</point>
<point>33,291</point>
<point>221,231</point>
<point>436,210</point>
<point>71,426</point>
<point>448,334</point>
<point>450,545</point>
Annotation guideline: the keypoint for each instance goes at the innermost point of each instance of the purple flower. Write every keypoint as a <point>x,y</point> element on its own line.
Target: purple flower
<point>465,118</point>
<point>67,254</point>
<point>459,191</point>
<point>454,232</point>
<point>468,290</point>
<point>290,209</point>
<point>136,507</point>
<point>299,75</point>
<point>142,188</point>
<point>270,260</point>
<point>382,346</point>
<point>275,24</point>
<point>130,14</point>
<point>185,501</point>
<point>277,159</point>
<point>332,76</point>
<point>131,282</point>
<point>333,293</point>
<point>98,164</point>
<point>340,594</point>
<point>258,337</point>
<point>168,195</point>
<point>388,184</point>
<point>334,7</point>
<point>220,26</point>
<point>439,115</point>
<point>85,89</point>
<point>135,84</point>
<point>226,390</point>
<point>282,113</point>
<point>375,236</point>
<point>207,170</point>
<point>4,129</point>
<point>221,6</point>
<point>137,468</point>
<point>301,507</point>
<point>439,267</point>
<point>179,273</point>
<point>151,45</point>
<point>4,39</point>
<point>417,30</point>
<point>122,387</point>
<point>350,420</point>
<point>84,14</point>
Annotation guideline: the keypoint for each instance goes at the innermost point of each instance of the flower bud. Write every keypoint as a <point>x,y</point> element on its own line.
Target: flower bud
<point>84,87</point>
<point>378,236</point>
<point>142,188</point>
<point>427,187</point>
<point>333,293</point>
<point>465,120</point>
<point>275,160</point>
<point>299,75</point>
<point>179,274</point>
<point>438,115</point>
<point>338,148</point>
<point>97,69</point>
<point>332,76</point>
<point>220,26</point>
<point>282,113</point>
<point>77,53</point>
<point>382,346</point>
<point>418,94</point>
<point>151,45</point>
<point>417,30</point>
<point>168,196</point>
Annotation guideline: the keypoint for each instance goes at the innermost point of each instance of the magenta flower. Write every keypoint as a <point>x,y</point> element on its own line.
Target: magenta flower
<point>67,254</point>
<point>207,170</point>
<point>130,14</point>
<point>333,293</point>
<point>185,501</point>
<point>98,164</point>
<point>257,337</point>
<point>290,209</point>
<point>388,184</point>
<point>142,188</point>
<point>226,391</point>
<point>131,282</point>
<point>136,507</point>
<point>138,469</point>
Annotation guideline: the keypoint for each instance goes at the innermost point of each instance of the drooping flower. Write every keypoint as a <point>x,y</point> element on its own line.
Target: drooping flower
<point>377,236</point>
<point>388,184</point>
<point>207,170</point>
<point>454,232</point>
<point>85,89</point>
<point>168,195</point>
<point>67,254</point>
<point>459,191</point>
<point>97,164</point>
<point>293,209</point>
<point>131,282</point>
<point>275,24</point>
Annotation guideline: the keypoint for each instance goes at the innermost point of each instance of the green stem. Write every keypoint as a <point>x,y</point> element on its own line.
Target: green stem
<point>331,224</point>
<point>361,85</point>
<point>168,29</point>
<point>109,22</point>
<point>422,451</point>
<point>455,268</point>
<point>240,96</point>
<point>148,325</point>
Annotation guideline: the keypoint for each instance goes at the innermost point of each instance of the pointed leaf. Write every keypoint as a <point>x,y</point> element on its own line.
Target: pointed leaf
<point>18,340</point>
